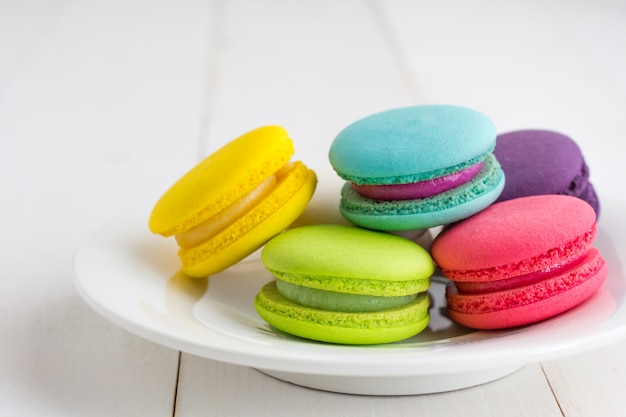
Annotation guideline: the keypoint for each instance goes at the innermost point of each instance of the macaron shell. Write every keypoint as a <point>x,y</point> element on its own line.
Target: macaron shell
<point>520,236</point>
<point>543,162</point>
<point>357,285</point>
<point>384,326</point>
<point>528,304</point>
<point>445,208</point>
<point>249,232</point>
<point>411,144</point>
<point>589,195</point>
<point>337,253</point>
<point>220,179</point>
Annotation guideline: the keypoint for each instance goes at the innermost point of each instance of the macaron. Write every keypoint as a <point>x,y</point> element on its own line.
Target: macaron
<point>416,167</point>
<point>346,285</point>
<point>538,162</point>
<point>520,261</point>
<point>234,200</point>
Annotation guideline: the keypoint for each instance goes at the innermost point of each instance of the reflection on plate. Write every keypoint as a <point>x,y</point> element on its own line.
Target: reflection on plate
<point>130,277</point>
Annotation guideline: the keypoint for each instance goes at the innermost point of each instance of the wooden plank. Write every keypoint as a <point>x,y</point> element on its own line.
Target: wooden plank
<point>590,384</point>
<point>102,113</point>
<point>312,67</point>
<point>22,30</point>
<point>213,388</point>
<point>60,359</point>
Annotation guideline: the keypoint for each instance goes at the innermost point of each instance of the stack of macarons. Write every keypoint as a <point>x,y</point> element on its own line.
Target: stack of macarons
<point>523,259</point>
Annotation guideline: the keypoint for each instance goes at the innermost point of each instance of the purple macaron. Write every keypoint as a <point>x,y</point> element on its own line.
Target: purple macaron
<point>537,162</point>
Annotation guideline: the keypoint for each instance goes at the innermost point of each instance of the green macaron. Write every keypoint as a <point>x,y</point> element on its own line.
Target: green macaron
<point>347,285</point>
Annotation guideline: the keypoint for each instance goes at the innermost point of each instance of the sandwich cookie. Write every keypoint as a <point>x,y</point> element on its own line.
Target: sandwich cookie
<point>347,285</point>
<point>417,167</point>
<point>520,261</point>
<point>233,201</point>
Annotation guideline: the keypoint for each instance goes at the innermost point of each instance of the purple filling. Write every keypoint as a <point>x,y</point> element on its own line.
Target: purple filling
<point>421,189</point>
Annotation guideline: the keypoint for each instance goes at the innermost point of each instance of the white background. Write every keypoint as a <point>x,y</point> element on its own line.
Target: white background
<point>103,104</point>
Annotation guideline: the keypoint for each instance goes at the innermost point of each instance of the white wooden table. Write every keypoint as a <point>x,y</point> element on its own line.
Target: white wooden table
<point>105,103</point>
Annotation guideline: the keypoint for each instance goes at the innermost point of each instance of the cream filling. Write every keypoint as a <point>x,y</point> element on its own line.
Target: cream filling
<point>221,220</point>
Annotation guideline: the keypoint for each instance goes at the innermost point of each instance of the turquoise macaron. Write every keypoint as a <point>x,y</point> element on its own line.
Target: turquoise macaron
<point>346,285</point>
<point>417,167</point>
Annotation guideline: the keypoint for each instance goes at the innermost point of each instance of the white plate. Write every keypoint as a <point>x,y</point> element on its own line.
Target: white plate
<point>130,277</point>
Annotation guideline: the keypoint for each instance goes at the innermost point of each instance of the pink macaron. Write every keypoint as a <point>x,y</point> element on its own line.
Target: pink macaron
<point>520,261</point>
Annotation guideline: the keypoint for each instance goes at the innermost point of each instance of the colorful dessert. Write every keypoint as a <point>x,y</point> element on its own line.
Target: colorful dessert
<point>416,167</point>
<point>538,162</point>
<point>347,285</point>
<point>233,201</point>
<point>520,261</point>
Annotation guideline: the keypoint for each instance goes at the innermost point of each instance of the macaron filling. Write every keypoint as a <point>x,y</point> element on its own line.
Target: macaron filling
<point>443,208</point>
<point>516,281</point>
<point>562,281</point>
<point>337,301</point>
<point>419,189</point>
<point>220,221</point>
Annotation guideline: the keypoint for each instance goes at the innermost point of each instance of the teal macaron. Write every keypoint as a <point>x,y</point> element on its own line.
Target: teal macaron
<point>346,285</point>
<point>417,167</point>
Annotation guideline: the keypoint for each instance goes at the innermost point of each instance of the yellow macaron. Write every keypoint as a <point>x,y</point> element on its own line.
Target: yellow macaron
<point>233,201</point>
